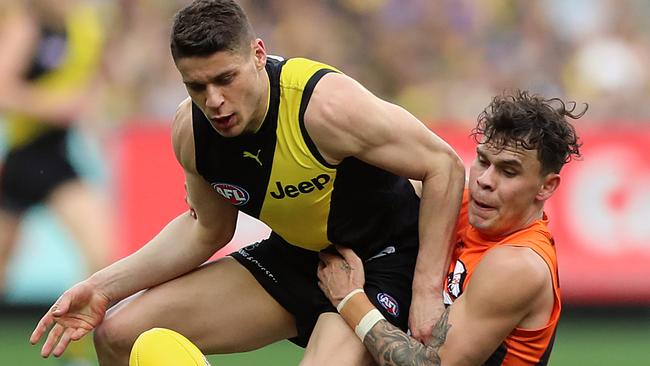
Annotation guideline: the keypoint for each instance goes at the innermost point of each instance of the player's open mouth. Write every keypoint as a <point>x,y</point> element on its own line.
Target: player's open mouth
<point>224,121</point>
<point>482,205</point>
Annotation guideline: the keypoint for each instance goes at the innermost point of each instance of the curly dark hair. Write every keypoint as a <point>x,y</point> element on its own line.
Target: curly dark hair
<point>532,122</point>
<point>208,26</point>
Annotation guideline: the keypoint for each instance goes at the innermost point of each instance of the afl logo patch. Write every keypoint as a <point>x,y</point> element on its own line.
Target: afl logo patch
<point>235,195</point>
<point>388,303</point>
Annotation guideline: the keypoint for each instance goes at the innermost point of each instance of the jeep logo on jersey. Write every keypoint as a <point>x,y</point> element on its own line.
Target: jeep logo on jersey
<point>307,186</point>
<point>388,303</point>
<point>236,195</point>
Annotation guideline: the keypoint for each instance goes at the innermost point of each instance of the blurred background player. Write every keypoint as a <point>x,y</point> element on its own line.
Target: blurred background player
<point>51,51</point>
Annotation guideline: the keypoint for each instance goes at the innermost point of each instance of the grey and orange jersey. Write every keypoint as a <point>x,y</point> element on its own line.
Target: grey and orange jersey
<point>278,175</point>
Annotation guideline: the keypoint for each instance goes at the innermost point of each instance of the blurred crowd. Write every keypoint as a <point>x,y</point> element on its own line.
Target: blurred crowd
<point>442,59</point>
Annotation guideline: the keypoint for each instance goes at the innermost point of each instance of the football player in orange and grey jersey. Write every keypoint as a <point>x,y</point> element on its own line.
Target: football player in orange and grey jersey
<point>502,288</point>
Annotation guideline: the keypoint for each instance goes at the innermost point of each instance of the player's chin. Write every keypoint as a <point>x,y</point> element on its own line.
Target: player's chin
<point>481,221</point>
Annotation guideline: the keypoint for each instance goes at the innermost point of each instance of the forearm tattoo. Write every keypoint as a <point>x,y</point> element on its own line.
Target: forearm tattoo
<point>391,346</point>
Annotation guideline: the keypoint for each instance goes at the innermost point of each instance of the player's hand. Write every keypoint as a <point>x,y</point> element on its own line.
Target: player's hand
<point>425,311</point>
<point>78,311</point>
<point>339,275</point>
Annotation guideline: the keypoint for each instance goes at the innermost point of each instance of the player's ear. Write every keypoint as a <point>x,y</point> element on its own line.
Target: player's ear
<point>259,52</point>
<point>550,182</point>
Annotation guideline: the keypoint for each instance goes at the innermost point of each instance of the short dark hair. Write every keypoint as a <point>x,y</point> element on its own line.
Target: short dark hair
<point>532,122</point>
<point>208,26</point>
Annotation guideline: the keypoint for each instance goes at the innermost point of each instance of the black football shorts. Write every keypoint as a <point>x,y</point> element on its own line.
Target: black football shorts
<point>31,172</point>
<point>288,274</point>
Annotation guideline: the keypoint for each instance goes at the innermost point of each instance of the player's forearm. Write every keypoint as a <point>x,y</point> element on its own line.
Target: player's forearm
<point>176,250</point>
<point>439,206</point>
<point>41,104</point>
<point>388,344</point>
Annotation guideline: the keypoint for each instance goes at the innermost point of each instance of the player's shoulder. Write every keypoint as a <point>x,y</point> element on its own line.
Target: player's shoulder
<point>16,20</point>
<point>183,134</point>
<point>11,8</point>
<point>336,100</point>
<point>516,271</point>
<point>515,263</point>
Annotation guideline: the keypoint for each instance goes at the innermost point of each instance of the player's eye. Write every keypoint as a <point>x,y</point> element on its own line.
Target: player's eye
<point>509,173</point>
<point>196,87</point>
<point>482,161</point>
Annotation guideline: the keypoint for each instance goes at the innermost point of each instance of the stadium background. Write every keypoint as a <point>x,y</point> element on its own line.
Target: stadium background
<point>442,60</point>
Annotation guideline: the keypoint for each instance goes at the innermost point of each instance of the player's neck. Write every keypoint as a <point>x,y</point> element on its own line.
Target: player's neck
<point>264,102</point>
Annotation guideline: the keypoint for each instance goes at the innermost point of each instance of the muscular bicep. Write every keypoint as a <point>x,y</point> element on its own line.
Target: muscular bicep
<point>504,289</point>
<point>216,218</point>
<point>344,119</point>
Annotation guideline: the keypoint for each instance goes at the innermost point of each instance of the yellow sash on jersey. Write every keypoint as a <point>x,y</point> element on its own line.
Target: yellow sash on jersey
<point>300,186</point>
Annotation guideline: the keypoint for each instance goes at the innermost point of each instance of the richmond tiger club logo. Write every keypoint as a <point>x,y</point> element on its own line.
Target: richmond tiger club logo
<point>388,303</point>
<point>234,194</point>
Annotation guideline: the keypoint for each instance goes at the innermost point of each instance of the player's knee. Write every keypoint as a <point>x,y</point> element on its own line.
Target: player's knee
<point>333,343</point>
<point>113,340</point>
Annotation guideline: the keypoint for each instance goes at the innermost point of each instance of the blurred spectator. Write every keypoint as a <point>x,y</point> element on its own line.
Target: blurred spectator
<point>51,52</point>
<point>442,59</point>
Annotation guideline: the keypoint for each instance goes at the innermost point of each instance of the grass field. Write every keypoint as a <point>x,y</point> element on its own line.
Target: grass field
<point>616,337</point>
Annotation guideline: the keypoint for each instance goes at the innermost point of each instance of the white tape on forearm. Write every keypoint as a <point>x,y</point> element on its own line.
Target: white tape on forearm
<point>347,298</point>
<point>367,322</point>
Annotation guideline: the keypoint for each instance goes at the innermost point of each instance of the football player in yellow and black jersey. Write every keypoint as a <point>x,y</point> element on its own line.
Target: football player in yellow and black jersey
<point>317,157</point>
<point>51,52</point>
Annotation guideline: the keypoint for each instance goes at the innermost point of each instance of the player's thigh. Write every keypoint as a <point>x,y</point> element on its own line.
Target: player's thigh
<point>333,342</point>
<point>220,307</point>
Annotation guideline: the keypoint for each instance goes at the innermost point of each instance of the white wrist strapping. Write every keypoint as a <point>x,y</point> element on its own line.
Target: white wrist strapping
<point>347,298</point>
<point>367,322</point>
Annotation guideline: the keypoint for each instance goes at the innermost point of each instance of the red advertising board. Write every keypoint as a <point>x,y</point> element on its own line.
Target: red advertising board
<point>600,215</point>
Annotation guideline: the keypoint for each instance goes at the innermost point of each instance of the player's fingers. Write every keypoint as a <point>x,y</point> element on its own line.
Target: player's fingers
<point>63,342</point>
<point>78,333</point>
<point>325,290</point>
<point>321,273</point>
<point>349,256</point>
<point>325,258</point>
<point>41,327</point>
<point>52,339</point>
